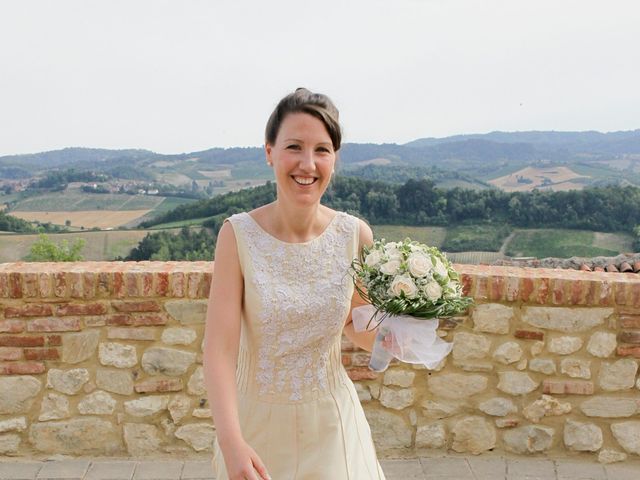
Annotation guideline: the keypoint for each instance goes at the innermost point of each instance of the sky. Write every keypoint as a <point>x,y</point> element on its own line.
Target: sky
<point>177,76</point>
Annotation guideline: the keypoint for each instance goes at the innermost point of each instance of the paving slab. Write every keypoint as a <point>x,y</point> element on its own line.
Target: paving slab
<point>410,469</point>
<point>19,470</point>
<point>531,469</point>
<point>621,471</point>
<point>488,468</point>
<point>63,470</point>
<point>580,470</point>
<point>446,468</point>
<point>158,470</point>
<point>197,470</point>
<point>111,470</point>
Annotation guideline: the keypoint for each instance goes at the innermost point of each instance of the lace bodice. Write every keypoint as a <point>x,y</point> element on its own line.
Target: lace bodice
<point>297,297</point>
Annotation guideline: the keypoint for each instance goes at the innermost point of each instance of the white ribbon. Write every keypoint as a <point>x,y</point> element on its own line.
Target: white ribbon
<point>413,340</point>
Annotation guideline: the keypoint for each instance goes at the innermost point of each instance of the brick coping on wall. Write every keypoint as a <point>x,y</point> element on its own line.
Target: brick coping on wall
<point>192,280</point>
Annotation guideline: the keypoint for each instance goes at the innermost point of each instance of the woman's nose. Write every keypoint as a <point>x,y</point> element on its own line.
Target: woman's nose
<point>307,162</point>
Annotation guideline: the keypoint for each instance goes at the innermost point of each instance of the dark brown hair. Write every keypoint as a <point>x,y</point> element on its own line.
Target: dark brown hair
<point>304,101</point>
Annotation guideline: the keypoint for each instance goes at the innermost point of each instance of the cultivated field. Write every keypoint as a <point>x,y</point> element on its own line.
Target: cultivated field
<point>552,178</point>
<point>98,245</point>
<point>432,236</point>
<point>564,243</point>
<point>86,219</point>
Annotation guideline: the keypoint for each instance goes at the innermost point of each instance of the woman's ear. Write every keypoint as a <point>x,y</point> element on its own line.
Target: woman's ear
<point>267,151</point>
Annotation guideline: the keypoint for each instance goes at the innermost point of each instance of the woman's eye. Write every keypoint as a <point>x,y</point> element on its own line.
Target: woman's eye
<point>293,147</point>
<point>323,150</point>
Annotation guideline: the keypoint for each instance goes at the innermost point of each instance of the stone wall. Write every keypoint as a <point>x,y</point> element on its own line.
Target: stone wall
<point>105,358</point>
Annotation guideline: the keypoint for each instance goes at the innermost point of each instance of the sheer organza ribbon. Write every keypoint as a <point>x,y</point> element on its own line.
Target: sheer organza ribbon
<point>412,339</point>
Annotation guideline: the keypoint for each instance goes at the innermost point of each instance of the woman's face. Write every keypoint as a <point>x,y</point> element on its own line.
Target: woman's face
<point>303,159</point>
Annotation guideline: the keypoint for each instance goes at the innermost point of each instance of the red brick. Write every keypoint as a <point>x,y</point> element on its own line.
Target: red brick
<point>529,334</point>
<point>29,310</point>
<point>54,340</point>
<point>144,306</point>
<point>577,290</point>
<point>4,285</point>
<point>497,288</point>
<point>559,291</point>
<point>118,284</point>
<point>507,422</point>
<point>512,290</point>
<point>45,285</point>
<point>634,295</point>
<point>361,373</point>
<point>26,368</point>
<point>119,319</point>
<point>159,385</point>
<point>620,293</point>
<point>360,359</point>
<point>630,321</point>
<point>630,336</point>
<point>21,341</point>
<point>177,284</point>
<point>571,387</point>
<point>482,288</point>
<point>606,293</point>
<point>15,285</point>
<point>467,283</point>
<point>542,295</point>
<point>54,325</point>
<point>41,354</point>
<point>193,284</point>
<point>30,284</point>
<point>162,284</point>
<point>147,284</point>
<point>624,351</point>
<point>102,288</point>
<point>131,284</point>
<point>205,286</point>
<point>590,297</point>
<point>526,288</point>
<point>75,282</point>
<point>60,284</point>
<point>89,281</point>
<point>10,353</point>
<point>11,326</point>
<point>346,359</point>
<point>81,309</point>
<point>149,319</point>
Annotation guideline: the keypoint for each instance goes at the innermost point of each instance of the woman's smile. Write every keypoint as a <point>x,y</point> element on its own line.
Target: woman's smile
<point>300,180</point>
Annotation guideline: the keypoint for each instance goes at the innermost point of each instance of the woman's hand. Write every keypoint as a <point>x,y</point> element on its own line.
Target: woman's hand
<point>243,463</point>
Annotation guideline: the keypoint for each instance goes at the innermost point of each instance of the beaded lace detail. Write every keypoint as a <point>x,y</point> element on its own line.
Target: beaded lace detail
<point>305,294</point>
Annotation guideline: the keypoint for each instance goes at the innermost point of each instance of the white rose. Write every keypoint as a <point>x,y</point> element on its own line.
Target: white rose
<point>403,283</point>
<point>419,264</point>
<point>391,267</point>
<point>392,251</point>
<point>440,269</point>
<point>373,258</point>
<point>433,291</point>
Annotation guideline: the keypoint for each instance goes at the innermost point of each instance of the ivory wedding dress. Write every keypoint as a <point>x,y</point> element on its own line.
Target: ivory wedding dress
<point>298,409</point>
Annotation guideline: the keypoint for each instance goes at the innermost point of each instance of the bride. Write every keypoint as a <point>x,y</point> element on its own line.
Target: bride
<point>280,299</point>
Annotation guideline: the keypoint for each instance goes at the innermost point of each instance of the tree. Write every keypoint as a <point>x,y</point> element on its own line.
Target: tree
<point>45,250</point>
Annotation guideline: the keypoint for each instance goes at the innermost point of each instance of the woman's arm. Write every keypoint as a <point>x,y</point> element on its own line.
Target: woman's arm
<point>222,336</point>
<point>361,339</point>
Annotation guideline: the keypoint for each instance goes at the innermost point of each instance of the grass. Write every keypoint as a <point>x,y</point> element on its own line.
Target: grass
<point>562,243</point>
<point>180,223</point>
<point>465,238</point>
<point>432,236</point>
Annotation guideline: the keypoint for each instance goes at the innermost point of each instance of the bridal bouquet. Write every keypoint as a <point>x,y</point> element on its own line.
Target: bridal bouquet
<point>409,286</point>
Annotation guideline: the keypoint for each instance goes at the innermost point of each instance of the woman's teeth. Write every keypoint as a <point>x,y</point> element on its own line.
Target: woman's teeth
<point>304,180</point>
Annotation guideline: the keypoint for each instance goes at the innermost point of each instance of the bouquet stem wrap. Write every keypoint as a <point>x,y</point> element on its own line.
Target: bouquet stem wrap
<point>413,340</point>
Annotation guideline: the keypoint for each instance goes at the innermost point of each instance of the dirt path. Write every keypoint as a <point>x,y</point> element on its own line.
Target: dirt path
<point>503,248</point>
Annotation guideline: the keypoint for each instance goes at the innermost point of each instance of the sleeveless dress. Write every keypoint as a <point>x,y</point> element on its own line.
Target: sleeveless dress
<point>297,407</point>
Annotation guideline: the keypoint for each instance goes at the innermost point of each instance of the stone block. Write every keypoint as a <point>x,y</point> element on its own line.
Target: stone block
<point>399,378</point>
<point>543,365</point>
<point>199,436</point>
<point>67,381</point>
<point>431,435</point>
<point>602,344</point>
<point>115,381</point>
<point>179,336</point>
<point>582,437</point>
<point>516,383</point>
<point>627,435</point>
<point>117,355</point>
<point>563,319</point>
<point>78,436</point>
<point>474,435</point>
<point>492,318</point>
<point>457,385</point>
<point>78,347</point>
<point>507,353</point>
<point>529,439</point>
<point>397,399</point>
<point>17,394</point>
<point>389,429</point>
<point>167,361</point>
<point>619,375</point>
<point>468,346</point>
<point>576,368</point>
<point>610,407</point>
<point>187,312</point>
<point>564,345</point>
<point>498,407</point>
